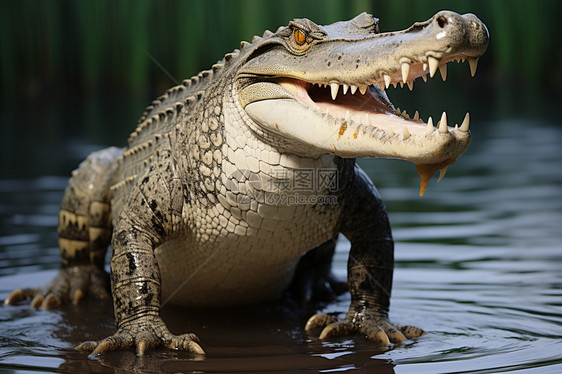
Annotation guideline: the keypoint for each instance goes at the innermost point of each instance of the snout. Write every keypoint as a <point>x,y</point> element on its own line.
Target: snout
<point>466,30</point>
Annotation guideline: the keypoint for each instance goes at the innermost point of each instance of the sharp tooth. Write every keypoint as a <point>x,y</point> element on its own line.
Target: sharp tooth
<point>362,89</point>
<point>405,114</point>
<point>473,62</point>
<point>405,71</point>
<point>424,77</point>
<point>394,84</point>
<point>424,66</point>
<point>443,71</point>
<point>433,64</point>
<point>443,124</point>
<point>411,85</point>
<point>416,116</point>
<point>345,88</point>
<point>442,173</point>
<point>405,133</point>
<point>398,111</point>
<point>465,123</point>
<point>353,89</point>
<point>334,87</point>
<point>387,80</point>
<point>429,127</point>
<point>401,84</point>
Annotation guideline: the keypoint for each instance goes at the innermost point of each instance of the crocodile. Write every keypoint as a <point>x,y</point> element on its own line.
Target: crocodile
<point>237,182</point>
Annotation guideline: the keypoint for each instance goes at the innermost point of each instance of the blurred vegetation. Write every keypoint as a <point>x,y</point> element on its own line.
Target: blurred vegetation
<point>91,46</point>
<point>77,51</point>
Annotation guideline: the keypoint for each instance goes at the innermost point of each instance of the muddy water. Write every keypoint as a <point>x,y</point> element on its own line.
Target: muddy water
<point>479,266</point>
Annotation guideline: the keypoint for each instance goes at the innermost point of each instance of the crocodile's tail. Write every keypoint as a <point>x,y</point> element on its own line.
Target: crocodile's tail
<point>85,216</point>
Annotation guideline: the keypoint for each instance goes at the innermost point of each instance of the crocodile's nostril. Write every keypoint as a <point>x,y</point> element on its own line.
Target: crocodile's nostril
<point>442,21</point>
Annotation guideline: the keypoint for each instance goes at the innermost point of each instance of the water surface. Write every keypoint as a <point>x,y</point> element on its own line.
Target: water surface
<point>479,267</point>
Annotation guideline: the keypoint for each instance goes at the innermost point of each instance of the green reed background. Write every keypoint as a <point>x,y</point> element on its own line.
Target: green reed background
<point>96,45</point>
<point>89,67</point>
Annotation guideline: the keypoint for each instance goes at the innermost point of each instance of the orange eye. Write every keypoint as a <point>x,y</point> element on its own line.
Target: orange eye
<point>299,36</point>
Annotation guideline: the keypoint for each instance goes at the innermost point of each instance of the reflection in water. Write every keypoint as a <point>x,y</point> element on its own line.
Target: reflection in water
<point>479,262</point>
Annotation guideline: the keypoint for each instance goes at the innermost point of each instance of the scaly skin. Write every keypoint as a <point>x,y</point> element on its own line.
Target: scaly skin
<point>233,177</point>
<point>370,267</point>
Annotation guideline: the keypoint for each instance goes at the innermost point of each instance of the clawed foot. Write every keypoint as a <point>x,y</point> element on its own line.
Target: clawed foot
<point>145,334</point>
<point>376,329</point>
<point>70,284</point>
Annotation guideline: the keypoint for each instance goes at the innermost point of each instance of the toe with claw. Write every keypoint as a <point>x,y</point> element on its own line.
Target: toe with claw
<point>144,334</point>
<point>70,285</point>
<point>375,329</point>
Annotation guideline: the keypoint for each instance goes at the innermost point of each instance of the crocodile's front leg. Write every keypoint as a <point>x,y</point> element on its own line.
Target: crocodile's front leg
<point>370,267</point>
<point>147,219</point>
<point>135,280</point>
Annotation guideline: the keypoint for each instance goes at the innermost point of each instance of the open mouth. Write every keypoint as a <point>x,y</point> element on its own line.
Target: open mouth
<point>368,104</point>
<point>367,108</point>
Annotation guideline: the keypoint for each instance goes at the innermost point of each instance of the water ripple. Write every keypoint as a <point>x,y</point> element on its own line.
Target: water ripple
<point>478,266</point>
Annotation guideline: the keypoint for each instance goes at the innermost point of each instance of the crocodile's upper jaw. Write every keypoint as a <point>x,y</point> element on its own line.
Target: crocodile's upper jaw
<point>328,94</point>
